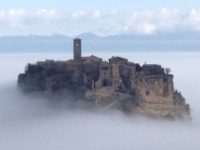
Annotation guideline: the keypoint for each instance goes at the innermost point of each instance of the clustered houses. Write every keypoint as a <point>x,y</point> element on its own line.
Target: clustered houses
<point>148,85</point>
<point>117,72</point>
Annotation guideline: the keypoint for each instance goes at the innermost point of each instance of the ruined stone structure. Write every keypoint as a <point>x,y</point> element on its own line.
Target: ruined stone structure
<point>143,89</point>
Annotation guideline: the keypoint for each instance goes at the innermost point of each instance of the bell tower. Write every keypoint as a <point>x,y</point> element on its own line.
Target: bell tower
<point>77,49</point>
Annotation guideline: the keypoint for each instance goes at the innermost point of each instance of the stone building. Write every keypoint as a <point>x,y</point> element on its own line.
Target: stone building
<point>118,60</point>
<point>117,71</point>
<point>148,80</point>
<point>148,87</point>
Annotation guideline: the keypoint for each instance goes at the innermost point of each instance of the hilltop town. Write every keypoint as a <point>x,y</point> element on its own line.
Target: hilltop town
<point>116,83</point>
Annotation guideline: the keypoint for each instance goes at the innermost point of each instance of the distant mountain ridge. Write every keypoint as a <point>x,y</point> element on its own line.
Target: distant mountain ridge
<point>188,41</point>
<point>88,36</point>
<point>91,36</point>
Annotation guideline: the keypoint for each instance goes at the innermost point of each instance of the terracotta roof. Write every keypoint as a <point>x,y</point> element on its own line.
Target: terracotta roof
<point>117,57</point>
<point>94,56</point>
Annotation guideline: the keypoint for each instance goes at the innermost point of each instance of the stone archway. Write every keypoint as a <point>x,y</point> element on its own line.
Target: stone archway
<point>105,82</point>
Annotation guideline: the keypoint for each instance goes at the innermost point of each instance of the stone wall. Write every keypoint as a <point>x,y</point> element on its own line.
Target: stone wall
<point>167,109</point>
<point>105,74</point>
<point>154,88</point>
<point>118,60</point>
<point>91,70</point>
<point>97,85</point>
<point>128,72</point>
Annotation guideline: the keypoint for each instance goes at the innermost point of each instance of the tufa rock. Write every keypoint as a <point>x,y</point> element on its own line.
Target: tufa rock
<point>118,83</point>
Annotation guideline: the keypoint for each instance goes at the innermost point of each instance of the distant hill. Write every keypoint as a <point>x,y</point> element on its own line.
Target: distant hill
<point>89,36</point>
<point>177,41</point>
<point>161,36</point>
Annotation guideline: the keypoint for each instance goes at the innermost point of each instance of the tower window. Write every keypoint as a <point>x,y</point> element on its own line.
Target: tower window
<point>77,44</point>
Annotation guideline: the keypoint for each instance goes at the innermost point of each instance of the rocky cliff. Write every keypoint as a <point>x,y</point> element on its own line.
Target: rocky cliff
<point>145,90</point>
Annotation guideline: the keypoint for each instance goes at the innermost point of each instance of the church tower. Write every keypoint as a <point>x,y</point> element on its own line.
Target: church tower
<point>77,49</point>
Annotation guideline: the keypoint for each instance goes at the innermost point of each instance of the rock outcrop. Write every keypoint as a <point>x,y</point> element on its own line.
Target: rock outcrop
<point>119,84</point>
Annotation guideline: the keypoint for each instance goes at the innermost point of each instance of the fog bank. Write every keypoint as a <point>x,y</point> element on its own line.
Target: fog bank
<point>30,123</point>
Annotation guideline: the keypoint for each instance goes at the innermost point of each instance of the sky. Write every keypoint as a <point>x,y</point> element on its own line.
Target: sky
<point>103,5</point>
<point>44,17</point>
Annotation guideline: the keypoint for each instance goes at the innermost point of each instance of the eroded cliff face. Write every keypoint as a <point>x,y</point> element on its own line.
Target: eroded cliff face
<point>149,95</point>
<point>154,88</point>
<point>158,97</point>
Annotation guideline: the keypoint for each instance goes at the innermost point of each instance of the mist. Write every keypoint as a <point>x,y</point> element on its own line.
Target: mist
<point>32,123</point>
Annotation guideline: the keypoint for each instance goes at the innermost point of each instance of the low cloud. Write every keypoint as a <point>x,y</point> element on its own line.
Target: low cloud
<point>79,14</point>
<point>193,20</point>
<point>47,22</point>
<point>47,14</point>
<point>147,22</point>
<point>34,123</point>
<point>13,18</point>
<point>96,13</point>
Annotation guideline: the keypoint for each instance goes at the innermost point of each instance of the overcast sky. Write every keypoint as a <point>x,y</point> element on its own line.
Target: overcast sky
<point>44,17</point>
